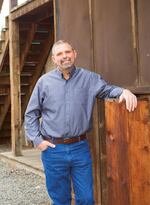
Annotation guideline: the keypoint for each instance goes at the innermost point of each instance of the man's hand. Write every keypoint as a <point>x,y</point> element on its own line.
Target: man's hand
<point>130,98</point>
<point>44,145</point>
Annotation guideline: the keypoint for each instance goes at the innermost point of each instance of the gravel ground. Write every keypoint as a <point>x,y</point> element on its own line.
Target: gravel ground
<point>21,187</point>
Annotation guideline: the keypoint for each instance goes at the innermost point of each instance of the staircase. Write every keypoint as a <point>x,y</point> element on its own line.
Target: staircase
<point>36,39</point>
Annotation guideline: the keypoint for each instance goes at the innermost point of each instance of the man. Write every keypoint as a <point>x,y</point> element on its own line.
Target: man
<point>64,99</point>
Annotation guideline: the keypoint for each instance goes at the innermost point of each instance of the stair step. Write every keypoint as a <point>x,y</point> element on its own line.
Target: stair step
<point>5,29</point>
<point>26,74</point>
<point>32,64</point>
<point>2,40</point>
<point>3,94</point>
<point>42,31</point>
<point>4,74</point>
<point>36,42</point>
<point>25,84</point>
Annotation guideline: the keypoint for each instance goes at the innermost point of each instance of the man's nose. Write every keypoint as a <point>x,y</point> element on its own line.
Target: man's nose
<point>64,55</point>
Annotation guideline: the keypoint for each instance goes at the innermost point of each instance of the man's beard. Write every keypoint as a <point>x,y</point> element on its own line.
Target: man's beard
<point>66,65</point>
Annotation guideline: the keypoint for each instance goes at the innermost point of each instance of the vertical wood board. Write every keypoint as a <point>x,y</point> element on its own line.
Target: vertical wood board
<point>114,55</point>
<point>128,153</point>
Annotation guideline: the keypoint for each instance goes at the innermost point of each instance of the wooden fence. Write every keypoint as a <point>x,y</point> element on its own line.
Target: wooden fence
<point>128,153</point>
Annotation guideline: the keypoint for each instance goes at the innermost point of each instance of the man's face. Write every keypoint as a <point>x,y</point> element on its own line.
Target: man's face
<point>64,56</point>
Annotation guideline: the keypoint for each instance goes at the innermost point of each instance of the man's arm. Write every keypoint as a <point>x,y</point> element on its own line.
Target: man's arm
<point>32,120</point>
<point>32,116</point>
<point>104,90</point>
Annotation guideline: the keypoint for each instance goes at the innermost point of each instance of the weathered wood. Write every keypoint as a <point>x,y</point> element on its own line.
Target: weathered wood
<point>12,3</point>
<point>143,10</point>
<point>29,7</point>
<point>94,141</point>
<point>139,152</point>
<point>5,110</point>
<point>102,150</point>
<point>4,51</point>
<point>128,153</point>
<point>15,86</point>
<point>1,3</point>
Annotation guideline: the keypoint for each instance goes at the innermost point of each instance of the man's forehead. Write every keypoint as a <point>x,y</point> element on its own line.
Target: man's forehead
<point>62,47</point>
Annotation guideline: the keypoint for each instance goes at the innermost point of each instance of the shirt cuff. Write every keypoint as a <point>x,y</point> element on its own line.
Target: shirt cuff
<point>120,91</point>
<point>38,140</point>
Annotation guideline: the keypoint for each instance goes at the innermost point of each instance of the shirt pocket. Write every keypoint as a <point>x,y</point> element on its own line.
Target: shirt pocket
<point>80,95</point>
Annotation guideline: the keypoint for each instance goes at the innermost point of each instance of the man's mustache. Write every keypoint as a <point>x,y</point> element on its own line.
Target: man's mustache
<point>64,59</point>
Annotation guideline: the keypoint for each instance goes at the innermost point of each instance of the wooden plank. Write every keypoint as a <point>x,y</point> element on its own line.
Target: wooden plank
<point>117,153</point>
<point>12,3</point>
<point>94,141</point>
<point>143,10</point>
<point>5,110</point>
<point>128,153</point>
<point>15,86</point>
<point>139,151</point>
<point>72,23</point>
<point>27,8</point>
<point>1,3</point>
<point>4,53</point>
<point>103,155</point>
<point>114,55</point>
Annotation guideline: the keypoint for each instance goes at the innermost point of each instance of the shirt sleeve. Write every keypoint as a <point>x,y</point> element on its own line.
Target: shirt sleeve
<point>32,116</point>
<point>104,90</point>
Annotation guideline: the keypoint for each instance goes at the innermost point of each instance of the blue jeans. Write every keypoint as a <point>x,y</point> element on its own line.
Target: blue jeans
<point>66,164</point>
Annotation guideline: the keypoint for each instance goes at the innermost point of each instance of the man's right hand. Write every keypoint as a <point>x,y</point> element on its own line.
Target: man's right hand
<point>44,145</point>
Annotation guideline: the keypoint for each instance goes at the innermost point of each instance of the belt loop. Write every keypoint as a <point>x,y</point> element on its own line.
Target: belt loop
<point>79,138</point>
<point>52,138</point>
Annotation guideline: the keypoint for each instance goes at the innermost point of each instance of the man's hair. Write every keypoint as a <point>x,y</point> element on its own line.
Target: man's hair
<point>59,43</point>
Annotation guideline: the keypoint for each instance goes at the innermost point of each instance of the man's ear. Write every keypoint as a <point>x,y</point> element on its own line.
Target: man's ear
<point>53,59</point>
<point>75,53</point>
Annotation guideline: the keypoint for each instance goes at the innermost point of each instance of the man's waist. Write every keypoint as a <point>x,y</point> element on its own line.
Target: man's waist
<point>65,140</point>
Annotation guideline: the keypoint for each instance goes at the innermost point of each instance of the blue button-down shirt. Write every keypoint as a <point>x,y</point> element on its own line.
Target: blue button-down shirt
<point>63,108</point>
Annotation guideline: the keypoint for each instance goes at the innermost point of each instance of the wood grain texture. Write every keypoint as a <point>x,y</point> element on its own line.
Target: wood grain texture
<point>128,153</point>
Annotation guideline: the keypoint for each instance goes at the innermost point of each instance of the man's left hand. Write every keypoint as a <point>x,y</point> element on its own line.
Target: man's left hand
<point>130,98</point>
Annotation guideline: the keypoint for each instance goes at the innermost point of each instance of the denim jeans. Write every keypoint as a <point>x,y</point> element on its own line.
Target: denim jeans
<point>66,164</point>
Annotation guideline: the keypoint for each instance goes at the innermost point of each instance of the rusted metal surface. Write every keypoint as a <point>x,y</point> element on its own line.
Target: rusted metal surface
<point>128,153</point>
